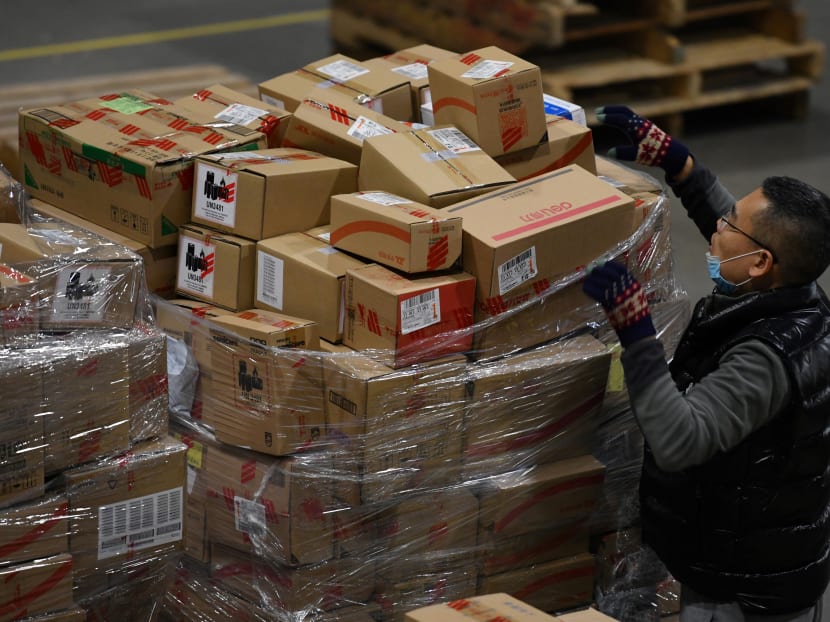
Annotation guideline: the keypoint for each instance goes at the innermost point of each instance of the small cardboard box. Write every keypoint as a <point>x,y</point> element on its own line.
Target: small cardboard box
<point>565,109</point>
<point>35,587</point>
<point>300,275</point>
<point>435,166</point>
<point>188,320</point>
<point>123,161</point>
<point>332,124</point>
<point>499,606</point>
<point>394,231</point>
<point>492,96</point>
<point>34,530</point>
<point>261,194</point>
<point>19,307</point>
<point>147,482</point>
<point>371,411</point>
<point>266,383</point>
<point>226,108</point>
<point>539,229</point>
<point>217,268</point>
<point>544,496</point>
<point>276,502</point>
<point>536,406</point>
<point>159,263</point>
<point>567,143</point>
<point>557,585</point>
<point>411,63</point>
<point>409,320</point>
<point>383,92</point>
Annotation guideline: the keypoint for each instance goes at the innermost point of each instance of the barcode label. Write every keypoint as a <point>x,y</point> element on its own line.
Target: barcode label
<point>50,116</point>
<point>364,128</point>
<point>140,523</point>
<point>420,311</point>
<point>413,71</point>
<point>342,70</point>
<point>249,516</point>
<point>487,69</point>
<point>269,280</point>
<point>240,114</point>
<point>382,198</point>
<point>454,139</point>
<point>516,271</point>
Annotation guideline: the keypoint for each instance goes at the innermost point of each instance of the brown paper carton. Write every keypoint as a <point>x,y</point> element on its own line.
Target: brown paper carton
<point>35,587</point>
<point>492,96</point>
<point>435,166</point>
<point>261,194</point>
<point>497,606</point>
<point>394,231</point>
<point>19,307</point>
<point>525,550</point>
<point>34,530</point>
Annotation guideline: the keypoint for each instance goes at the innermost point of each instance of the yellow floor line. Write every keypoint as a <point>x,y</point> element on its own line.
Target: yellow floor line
<point>144,38</point>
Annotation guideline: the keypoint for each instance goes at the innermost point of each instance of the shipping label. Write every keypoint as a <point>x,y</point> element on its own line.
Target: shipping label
<point>342,70</point>
<point>383,198</point>
<point>240,114</point>
<point>487,69</point>
<point>269,279</point>
<point>364,128</point>
<point>413,71</point>
<point>517,270</point>
<point>454,139</point>
<point>196,266</point>
<point>215,195</point>
<point>81,294</point>
<point>141,523</point>
<point>249,516</point>
<point>420,311</point>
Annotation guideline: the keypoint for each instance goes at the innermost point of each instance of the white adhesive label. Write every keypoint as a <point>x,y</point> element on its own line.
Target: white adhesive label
<point>364,128</point>
<point>342,70</point>
<point>140,523</point>
<point>454,139</point>
<point>196,270</point>
<point>240,114</point>
<point>249,516</point>
<point>487,69</point>
<point>81,294</point>
<point>215,195</point>
<point>420,311</point>
<point>383,198</point>
<point>413,71</point>
<point>517,270</point>
<point>269,279</point>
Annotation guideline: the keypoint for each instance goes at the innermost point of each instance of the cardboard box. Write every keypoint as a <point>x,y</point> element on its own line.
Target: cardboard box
<point>147,373</point>
<point>159,263</point>
<point>303,276</point>
<point>585,615</point>
<point>536,406</point>
<point>217,268</point>
<point>500,606</point>
<point>567,143</point>
<point>435,166</point>
<point>141,485</point>
<point>411,63</point>
<point>189,321</point>
<point>278,503</point>
<point>397,431</point>
<point>266,388</point>
<point>409,320</point>
<point>261,194</point>
<point>226,108</point>
<point>333,124</point>
<point>492,96</point>
<point>123,161</point>
<point>19,307</point>
<point>565,109</point>
<point>497,555</point>
<point>394,231</point>
<point>35,587</point>
<point>34,530</point>
<point>540,497</point>
<point>383,92</point>
<point>554,586</point>
<point>400,598</point>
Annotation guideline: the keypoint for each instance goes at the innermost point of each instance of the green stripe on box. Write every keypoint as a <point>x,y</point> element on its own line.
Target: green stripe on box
<point>110,159</point>
<point>167,227</point>
<point>29,178</point>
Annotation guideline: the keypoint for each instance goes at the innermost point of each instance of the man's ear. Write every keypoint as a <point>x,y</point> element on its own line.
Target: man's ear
<point>762,264</point>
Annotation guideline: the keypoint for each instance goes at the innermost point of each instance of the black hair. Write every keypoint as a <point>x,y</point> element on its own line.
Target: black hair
<point>796,224</point>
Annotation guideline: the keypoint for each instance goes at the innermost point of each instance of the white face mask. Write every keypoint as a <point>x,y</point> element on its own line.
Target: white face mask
<point>713,264</point>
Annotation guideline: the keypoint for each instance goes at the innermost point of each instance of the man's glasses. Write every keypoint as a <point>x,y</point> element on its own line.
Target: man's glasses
<point>723,223</point>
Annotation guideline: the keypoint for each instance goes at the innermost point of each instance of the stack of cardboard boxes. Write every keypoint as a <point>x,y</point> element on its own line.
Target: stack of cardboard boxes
<point>399,389</point>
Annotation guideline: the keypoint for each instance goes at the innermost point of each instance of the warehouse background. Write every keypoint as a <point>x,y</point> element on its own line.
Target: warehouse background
<point>248,41</point>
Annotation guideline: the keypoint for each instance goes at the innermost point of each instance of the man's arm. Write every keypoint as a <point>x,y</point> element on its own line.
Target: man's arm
<point>703,196</point>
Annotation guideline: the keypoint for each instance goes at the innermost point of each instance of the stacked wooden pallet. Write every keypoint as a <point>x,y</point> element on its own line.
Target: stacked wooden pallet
<point>171,83</point>
<point>663,57</point>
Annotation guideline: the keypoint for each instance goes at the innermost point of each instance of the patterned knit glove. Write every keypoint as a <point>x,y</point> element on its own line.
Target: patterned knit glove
<point>650,146</point>
<point>624,301</point>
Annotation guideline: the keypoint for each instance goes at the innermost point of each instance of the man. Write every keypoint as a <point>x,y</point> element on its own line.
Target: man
<point>735,488</point>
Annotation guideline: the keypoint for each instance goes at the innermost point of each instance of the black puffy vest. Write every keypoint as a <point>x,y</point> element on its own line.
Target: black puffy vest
<point>752,524</point>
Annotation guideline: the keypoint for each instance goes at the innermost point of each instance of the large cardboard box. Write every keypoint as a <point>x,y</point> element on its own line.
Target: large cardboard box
<point>394,231</point>
<point>34,530</point>
<point>19,307</point>
<point>557,585</point>
<point>266,383</point>
<point>498,606</point>
<point>567,143</point>
<point>226,108</point>
<point>399,598</point>
<point>435,166</point>
<point>128,507</point>
<point>536,406</point>
<point>333,124</point>
<point>276,505</point>
<point>408,320</point>
<point>159,263</point>
<point>217,268</point>
<point>497,554</point>
<point>383,92</point>
<point>540,497</point>
<point>261,194</point>
<point>123,161</point>
<point>35,587</point>
<point>397,430</point>
<point>491,95</point>
<point>303,276</point>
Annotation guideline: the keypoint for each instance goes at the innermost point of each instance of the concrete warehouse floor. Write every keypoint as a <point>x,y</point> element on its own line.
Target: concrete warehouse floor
<point>54,40</point>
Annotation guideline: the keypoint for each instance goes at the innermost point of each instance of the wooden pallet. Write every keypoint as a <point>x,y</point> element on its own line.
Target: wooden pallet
<point>171,83</point>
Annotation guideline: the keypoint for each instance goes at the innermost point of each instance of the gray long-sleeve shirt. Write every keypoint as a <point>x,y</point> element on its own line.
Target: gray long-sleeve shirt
<point>749,386</point>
